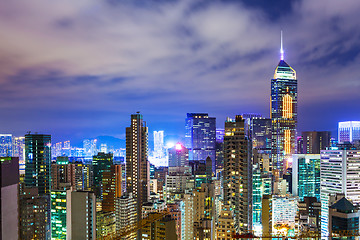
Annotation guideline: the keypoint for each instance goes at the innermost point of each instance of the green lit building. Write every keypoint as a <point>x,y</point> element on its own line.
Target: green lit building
<point>101,163</point>
<point>306,175</point>
<point>58,214</point>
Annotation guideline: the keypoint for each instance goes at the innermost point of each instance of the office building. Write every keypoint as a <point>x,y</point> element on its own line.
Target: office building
<point>58,214</point>
<point>19,151</point>
<point>178,156</point>
<point>62,174</point>
<point>284,211</point>
<point>314,141</point>
<point>6,145</point>
<point>160,229</point>
<point>200,136</point>
<point>101,163</point>
<point>137,165</point>
<point>81,215</point>
<point>37,162</point>
<point>159,149</point>
<point>105,225</point>
<point>237,174</point>
<point>349,131</point>
<point>9,198</point>
<point>309,214</point>
<point>306,175</point>
<point>343,217</point>
<point>260,133</point>
<point>111,187</point>
<point>283,115</point>
<point>339,174</point>
<point>34,211</point>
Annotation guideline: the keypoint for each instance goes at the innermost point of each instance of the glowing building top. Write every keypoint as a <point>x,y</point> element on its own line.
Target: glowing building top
<point>283,70</point>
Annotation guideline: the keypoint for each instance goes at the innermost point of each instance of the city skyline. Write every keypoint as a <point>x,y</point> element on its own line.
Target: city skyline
<point>169,58</point>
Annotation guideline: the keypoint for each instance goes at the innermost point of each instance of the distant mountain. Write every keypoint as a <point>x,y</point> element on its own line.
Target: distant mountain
<point>111,141</point>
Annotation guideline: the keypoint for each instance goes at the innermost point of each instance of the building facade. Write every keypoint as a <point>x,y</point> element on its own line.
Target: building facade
<point>237,174</point>
<point>200,136</point>
<point>349,131</point>
<point>283,115</point>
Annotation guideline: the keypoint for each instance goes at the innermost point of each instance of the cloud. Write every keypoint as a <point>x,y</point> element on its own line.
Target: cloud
<point>122,56</point>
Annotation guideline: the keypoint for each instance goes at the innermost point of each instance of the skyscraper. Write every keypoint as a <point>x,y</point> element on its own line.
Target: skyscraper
<point>5,145</point>
<point>314,141</point>
<point>9,196</point>
<point>200,136</point>
<point>178,156</point>
<point>339,174</point>
<point>137,165</point>
<point>159,144</point>
<point>37,170</point>
<point>37,162</point>
<point>306,175</point>
<point>19,151</point>
<point>349,131</point>
<point>283,114</point>
<point>237,174</point>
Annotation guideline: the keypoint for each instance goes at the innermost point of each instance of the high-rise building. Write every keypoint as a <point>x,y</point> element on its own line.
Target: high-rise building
<point>339,174</point>
<point>9,198</point>
<point>58,214</point>
<point>314,141</point>
<point>37,170</point>
<point>225,225</point>
<point>160,229</point>
<point>309,214</point>
<point>349,131</point>
<point>101,163</point>
<point>34,219</point>
<point>105,224</point>
<point>260,133</point>
<point>237,174</point>
<point>187,216</point>
<point>200,136</point>
<point>6,145</point>
<point>137,165</point>
<point>37,162</point>
<point>19,151</point>
<point>178,156</point>
<point>159,144</point>
<point>81,215</point>
<point>283,115</point>
<point>343,217</point>
<point>111,187</point>
<point>306,175</point>
<point>284,211</point>
<point>126,214</point>
<point>62,174</point>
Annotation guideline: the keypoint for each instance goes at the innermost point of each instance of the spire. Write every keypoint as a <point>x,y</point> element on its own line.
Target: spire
<point>281,46</point>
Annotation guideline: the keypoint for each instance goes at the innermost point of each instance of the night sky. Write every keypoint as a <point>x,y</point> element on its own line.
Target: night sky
<point>78,69</point>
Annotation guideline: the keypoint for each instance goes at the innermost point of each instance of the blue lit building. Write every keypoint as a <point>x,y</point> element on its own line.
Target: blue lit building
<point>5,145</point>
<point>283,115</point>
<point>200,137</point>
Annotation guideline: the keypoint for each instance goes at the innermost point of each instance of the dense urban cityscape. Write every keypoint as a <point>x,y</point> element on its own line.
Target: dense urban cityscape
<point>255,177</point>
<point>179,120</point>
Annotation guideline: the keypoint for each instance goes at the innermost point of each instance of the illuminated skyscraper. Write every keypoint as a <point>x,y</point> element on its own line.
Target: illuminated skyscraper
<point>37,169</point>
<point>200,136</point>
<point>5,145</point>
<point>137,165</point>
<point>159,144</point>
<point>349,131</point>
<point>19,151</point>
<point>178,156</point>
<point>283,114</point>
<point>237,174</point>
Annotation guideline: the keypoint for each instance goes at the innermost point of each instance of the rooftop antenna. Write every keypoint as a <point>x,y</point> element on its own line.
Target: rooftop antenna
<point>281,47</point>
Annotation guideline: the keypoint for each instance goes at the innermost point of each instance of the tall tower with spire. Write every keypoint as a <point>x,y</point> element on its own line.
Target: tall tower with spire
<point>283,114</point>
